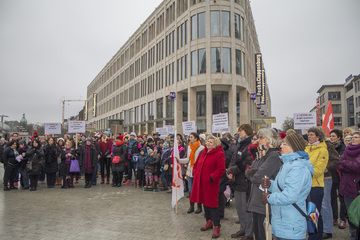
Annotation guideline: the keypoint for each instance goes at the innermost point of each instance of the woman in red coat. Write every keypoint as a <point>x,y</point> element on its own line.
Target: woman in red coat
<point>207,172</point>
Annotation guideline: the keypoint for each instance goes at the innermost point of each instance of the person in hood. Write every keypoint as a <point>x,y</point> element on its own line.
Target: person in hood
<point>291,185</point>
<point>88,161</point>
<point>118,165</point>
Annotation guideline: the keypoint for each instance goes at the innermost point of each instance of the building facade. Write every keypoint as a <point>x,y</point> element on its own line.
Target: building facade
<point>200,52</point>
<point>345,99</point>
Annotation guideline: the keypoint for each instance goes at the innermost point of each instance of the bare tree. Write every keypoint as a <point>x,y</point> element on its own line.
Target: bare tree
<point>288,124</point>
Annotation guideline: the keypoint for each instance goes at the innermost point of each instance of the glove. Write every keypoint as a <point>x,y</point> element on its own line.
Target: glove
<point>265,183</point>
<point>265,197</point>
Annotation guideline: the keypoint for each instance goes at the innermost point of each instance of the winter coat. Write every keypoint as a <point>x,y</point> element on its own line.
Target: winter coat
<point>2,148</point>
<point>187,159</point>
<point>9,157</point>
<point>340,147</point>
<point>349,166</point>
<point>51,154</point>
<point>120,151</point>
<point>24,160</point>
<point>149,166</point>
<point>140,164</point>
<point>65,168</point>
<point>36,157</point>
<point>93,158</point>
<point>294,178</point>
<point>238,165</point>
<point>207,172</point>
<point>319,157</point>
<point>269,166</point>
<point>134,147</point>
<point>105,147</point>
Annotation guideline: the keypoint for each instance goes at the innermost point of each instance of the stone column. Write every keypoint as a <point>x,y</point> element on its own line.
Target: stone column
<point>209,107</point>
<point>244,106</point>
<point>178,112</point>
<point>191,104</point>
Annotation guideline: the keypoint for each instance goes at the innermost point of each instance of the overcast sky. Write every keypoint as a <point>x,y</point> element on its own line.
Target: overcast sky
<point>50,49</point>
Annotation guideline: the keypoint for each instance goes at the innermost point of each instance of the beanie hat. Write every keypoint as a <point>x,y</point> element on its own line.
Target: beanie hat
<point>83,135</point>
<point>290,131</point>
<point>120,137</point>
<point>282,135</point>
<point>203,136</point>
<point>140,136</point>
<point>149,150</point>
<point>133,134</point>
<point>35,133</point>
<point>296,142</point>
<point>166,145</point>
<point>89,139</point>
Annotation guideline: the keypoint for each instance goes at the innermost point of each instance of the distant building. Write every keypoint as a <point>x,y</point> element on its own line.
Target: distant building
<point>345,100</point>
<point>189,60</point>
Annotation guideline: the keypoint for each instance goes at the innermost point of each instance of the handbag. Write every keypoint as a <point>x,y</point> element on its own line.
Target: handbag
<point>116,159</point>
<point>74,166</point>
<point>312,216</point>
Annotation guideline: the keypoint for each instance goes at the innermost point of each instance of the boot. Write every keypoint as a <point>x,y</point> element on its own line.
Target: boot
<point>58,181</point>
<point>199,208</point>
<point>191,209</point>
<point>216,233</point>
<point>102,180</point>
<point>208,225</point>
<point>86,185</point>
<point>107,180</point>
<point>125,179</point>
<point>89,184</point>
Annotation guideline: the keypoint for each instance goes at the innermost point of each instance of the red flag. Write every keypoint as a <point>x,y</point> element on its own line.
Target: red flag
<point>328,123</point>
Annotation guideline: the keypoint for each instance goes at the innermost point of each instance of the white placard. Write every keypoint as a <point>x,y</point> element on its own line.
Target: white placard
<point>304,120</point>
<point>162,131</point>
<point>52,128</point>
<point>189,127</point>
<point>76,126</point>
<point>224,130</point>
<point>220,121</point>
<point>171,129</point>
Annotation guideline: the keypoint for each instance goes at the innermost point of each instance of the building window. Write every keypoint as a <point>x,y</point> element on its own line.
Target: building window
<point>185,105</point>
<point>334,96</point>
<point>220,102</point>
<point>159,108</point>
<point>322,99</point>
<point>336,108</point>
<point>143,112</point>
<point>202,60</point>
<point>201,25</point>
<point>237,26</point>
<point>350,108</point>
<point>226,60</point>
<point>169,107</point>
<point>225,23</point>
<point>215,60</point>
<point>337,121</point>
<point>151,110</point>
<point>238,61</point>
<point>137,114</point>
<point>215,23</point>
<point>201,104</point>
<point>193,63</point>
<point>193,27</point>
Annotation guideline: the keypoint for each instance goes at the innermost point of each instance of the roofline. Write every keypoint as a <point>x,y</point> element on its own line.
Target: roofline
<point>332,85</point>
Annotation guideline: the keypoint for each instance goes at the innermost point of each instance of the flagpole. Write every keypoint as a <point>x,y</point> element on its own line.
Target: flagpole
<point>175,186</point>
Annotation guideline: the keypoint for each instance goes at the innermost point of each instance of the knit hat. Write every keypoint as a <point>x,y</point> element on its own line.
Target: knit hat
<point>83,135</point>
<point>120,137</point>
<point>133,134</point>
<point>296,142</point>
<point>89,139</point>
<point>61,139</point>
<point>165,145</point>
<point>290,131</point>
<point>282,135</point>
<point>140,136</point>
<point>149,150</point>
<point>203,136</point>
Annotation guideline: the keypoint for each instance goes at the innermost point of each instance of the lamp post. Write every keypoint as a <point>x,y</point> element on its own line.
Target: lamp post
<point>2,124</point>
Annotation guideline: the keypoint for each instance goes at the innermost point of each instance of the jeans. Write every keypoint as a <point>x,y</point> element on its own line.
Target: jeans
<point>326,209</point>
<point>212,214</point>
<point>334,203</point>
<point>10,174</point>
<point>163,176</point>
<point>245,218</point>
<point>352,228</point>
<point>317,195</point>
<point>190,183</point>
<point>25,178</point>
<point>105,164</point>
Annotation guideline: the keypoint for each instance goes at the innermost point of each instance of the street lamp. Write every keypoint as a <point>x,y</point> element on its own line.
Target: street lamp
<point>2,124</point>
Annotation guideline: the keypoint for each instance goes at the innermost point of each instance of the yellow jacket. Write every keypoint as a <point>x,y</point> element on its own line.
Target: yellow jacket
<point>319,157</point>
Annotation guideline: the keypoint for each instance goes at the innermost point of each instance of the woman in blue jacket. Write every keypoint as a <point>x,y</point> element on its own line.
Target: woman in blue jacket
<point>294,178</point>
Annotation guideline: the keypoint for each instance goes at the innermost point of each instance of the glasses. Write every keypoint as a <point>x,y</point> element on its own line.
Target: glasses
<point>254,139</point>
<point>355,137</point>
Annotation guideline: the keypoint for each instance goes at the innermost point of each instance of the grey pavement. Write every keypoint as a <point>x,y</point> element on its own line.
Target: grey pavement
<point>104,212</point>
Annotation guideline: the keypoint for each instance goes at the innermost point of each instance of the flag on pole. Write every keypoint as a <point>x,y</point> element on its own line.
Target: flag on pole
<point>177,181</point>
<point>328,123</point>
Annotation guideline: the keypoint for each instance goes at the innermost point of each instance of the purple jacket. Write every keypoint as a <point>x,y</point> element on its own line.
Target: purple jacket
<point>349,166</point>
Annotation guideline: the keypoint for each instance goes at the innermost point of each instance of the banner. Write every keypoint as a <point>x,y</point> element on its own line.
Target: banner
<point>189,127</point>
<point>162,131</point>
<point>76,126</point>
<point>177,181</point>
<point>304,120</point>
<point>52,128</point>
<point>224,130</point>
<point>220,121</point>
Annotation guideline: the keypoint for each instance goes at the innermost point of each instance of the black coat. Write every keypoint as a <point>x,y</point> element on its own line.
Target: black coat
<point>25,159</point>
<point>8,157</point>
<point>238,164</point>
<point>36,157</point>
<point>120,151</point>
<point>2,148</point>
<point>93,157</point>
<point>51,154</point>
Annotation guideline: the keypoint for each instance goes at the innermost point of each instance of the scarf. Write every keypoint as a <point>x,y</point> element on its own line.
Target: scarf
<point>87,159</point>
<point>16,153</point>
<point>104,139</point>
<point>353,150</point>
<point>67,151</point>
<point>192,153</point>
<point>262,150</point>
<point>337,144</point>
<point>315,143</point>
<point>119,143</point>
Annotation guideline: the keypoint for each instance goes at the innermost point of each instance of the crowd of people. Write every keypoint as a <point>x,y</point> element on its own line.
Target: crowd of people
<point>254,168</point>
